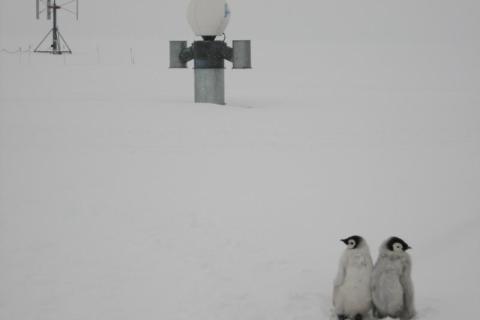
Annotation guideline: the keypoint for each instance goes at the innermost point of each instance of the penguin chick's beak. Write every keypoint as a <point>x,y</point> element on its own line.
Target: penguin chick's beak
<point>408,247</point>
<point>344,241</point>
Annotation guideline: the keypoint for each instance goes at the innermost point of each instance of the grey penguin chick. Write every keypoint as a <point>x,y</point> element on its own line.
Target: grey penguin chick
<point>351,293</point>
<point>392,286</point>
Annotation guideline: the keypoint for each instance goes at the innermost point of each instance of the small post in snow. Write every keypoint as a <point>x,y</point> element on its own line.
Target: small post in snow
<point>132,57</point>
<point>99,60</point>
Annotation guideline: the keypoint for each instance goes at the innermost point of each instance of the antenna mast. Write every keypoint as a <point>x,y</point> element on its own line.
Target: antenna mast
<point>58,45</point>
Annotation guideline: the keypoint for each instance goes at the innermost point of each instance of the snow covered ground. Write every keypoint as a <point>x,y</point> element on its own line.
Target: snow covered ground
<point>120,199</point>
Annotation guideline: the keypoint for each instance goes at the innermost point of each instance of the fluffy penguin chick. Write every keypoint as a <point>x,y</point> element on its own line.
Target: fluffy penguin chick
<point>392,287</point>
<point>351,292</point>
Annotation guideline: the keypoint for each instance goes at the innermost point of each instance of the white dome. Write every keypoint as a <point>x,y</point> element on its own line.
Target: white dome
<point>208,17</point>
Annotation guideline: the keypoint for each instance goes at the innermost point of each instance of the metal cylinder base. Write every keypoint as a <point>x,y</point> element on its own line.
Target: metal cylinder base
<point>210,86</point>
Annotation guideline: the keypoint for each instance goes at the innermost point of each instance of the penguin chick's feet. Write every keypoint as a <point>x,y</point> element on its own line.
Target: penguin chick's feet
<point>408,315</point>
<point>342,317</point>
<point>377,314</point>
<point>358,317</point>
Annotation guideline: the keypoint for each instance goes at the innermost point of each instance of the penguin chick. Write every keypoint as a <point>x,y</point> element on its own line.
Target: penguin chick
<point>392,286</point>
<point>351,292</point>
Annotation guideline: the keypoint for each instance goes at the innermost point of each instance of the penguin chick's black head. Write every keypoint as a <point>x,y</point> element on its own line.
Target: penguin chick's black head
<point>352,242</point>
<point>396,244</point>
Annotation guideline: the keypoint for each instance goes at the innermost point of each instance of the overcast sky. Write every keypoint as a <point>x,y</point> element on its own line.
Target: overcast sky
<point>437,21</point>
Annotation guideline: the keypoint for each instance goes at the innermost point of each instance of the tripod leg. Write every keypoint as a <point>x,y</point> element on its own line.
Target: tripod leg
<point>64,42</point>
<point>43,40</point>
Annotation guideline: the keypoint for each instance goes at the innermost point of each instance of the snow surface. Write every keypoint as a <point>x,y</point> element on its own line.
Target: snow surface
<point>121,199</point>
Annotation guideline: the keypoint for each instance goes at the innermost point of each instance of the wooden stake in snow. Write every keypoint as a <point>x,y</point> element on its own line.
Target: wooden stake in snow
<point>99,60</point>
<point>132,58</point>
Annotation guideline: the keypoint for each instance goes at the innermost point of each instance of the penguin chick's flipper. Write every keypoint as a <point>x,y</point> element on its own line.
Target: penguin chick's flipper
<point>341,317</point>
<point>406,281</point>
<point>358,317</point>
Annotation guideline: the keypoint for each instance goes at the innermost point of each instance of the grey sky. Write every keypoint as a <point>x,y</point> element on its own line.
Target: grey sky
<point>323,21</point>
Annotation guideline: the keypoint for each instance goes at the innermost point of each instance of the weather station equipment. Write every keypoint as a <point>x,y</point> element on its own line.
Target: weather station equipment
<point>208,20</point>
<point>49,9</point>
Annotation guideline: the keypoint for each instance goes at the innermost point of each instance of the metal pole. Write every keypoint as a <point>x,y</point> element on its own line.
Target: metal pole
<point>210,86</point>
<point>209,64</point>
<point>55,45</point>
<point>209,68</point>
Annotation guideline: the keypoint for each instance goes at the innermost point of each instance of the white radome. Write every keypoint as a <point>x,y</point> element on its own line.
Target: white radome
<point>208,17</point>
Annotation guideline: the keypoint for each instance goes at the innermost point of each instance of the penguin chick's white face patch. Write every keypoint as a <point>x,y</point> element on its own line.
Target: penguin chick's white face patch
<point>397,247</point>
<point>396,244</point>
<point>351,244</point>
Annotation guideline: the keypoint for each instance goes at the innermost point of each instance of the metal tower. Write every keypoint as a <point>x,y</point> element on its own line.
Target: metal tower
<point>58,44</point>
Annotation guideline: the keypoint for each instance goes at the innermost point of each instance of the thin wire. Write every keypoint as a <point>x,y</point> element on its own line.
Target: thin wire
<point>69,11</point>
<point>10,52</point>
<point>68,2</point>
<point>20,50</point>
